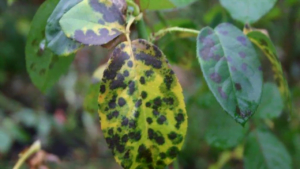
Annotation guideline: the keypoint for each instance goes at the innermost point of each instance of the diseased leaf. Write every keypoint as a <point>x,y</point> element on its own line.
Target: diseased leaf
<point>265,44</point>
<point>43,66</point>
<point>141,107</point>
<point>231,69</point>
<point>164,4</point>
<point>56,39</point>
<point>271,105</point>
<point>263,150</point>
<point>121,5</point>
<point>248,11</point>
<point>91,98</point>
<point>93,22</point>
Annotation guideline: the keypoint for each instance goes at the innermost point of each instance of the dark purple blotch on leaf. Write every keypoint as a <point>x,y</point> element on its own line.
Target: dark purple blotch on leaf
<point>229,59</point>
<point>224,32</point>
<point>238,86</point>
<point>244,67</point>
<point>233,68</point>
<point>206,52</point>
<point>91,38</point>
<point>242,40</point>
<point>110,14</point>
<point>216,77</point>
<point>222,93</point>
<point>242,54</point>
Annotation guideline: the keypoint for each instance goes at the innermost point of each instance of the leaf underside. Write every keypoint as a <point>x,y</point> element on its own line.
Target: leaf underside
<point>44,67</point>
<point>141,107</point>
<point>266,45</point>
<point>248,11</point>
<point>56,39</point>
<point>93,22</point>
<point>232,70</point>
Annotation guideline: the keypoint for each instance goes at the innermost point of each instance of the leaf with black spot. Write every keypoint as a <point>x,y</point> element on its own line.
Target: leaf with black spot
<point>93,22</point>
<point>56,39</point>
<point>43,66</point>
<point>145,92</point>
<point>231,69</point>
<point>266,45</point>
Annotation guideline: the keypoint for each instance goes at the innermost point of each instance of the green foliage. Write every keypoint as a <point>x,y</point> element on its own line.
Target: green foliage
<point>263,150</point>
<point>248,11</point>
<point>141,107</point>
<point>43,66</point>
<point>164,4</point>
<point>223,132</point>
<point>231,69</point>
<point>105,22</point>
<point>56,39</point>
<point>271,105</point>
<point>5,141</point>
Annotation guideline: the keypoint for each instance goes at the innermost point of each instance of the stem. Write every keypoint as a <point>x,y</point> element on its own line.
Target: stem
<point>163,32</point>
<point>136,8</point>
<point>36,146</point>
<point>142,30</point>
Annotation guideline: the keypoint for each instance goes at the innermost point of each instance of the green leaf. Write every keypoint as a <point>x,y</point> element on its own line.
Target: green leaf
<point>93,22</point>
<point>141,107</point>
<point>44,67</point>
<point>271,104</point>
<point>223,132</point>
<point>90,103</point>
<point>164,4</point>
<point>56,39</point>
<point>231,69</point>
<point>264,151</point>
<point>5,141</point>
<point>266,45</point>
<point>248,11</point>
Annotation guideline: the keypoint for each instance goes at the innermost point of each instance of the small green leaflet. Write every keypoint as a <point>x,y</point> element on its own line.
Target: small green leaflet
<point>271,105</point>
<point>231,69</point>
<point>91,99</point>
<point>222,132</point>
<point>141,107</point>
<point>44,67</point>
<point>248,11</point>
<point>263,150</point>
<point>265,44</point>
<point>164,4</point>
<point>93,22</point>
<point>56,39</point>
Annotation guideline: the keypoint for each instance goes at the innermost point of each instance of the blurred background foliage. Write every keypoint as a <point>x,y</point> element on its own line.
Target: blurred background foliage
<point>72,133</point>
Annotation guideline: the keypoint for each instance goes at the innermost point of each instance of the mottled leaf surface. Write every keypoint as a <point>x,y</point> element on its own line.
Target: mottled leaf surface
<point>248,11</point>
<point>141,107</point>
<point>271,105</point>
<point>266,45</point>
<point>164,4</point>
<point>93,22</point>
<point>121,5</point>
<point>231,69</point>
<point>56,39</point>
<point>43,66</point>
<point>264,151</point>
